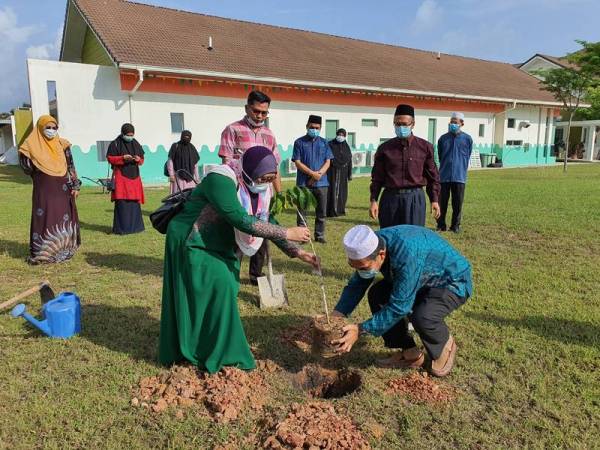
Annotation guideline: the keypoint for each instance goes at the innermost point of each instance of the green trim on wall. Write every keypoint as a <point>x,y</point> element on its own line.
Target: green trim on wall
<point>88,163</point>
<point>93,52</point>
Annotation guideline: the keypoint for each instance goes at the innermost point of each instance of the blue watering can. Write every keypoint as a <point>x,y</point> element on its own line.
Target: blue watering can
<point>62,316</point>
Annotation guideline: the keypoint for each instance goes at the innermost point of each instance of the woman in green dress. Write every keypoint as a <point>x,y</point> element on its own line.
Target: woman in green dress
<point>200,321</point>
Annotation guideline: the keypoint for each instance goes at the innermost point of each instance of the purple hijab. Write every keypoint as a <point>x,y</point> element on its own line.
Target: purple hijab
<point>256,162</point>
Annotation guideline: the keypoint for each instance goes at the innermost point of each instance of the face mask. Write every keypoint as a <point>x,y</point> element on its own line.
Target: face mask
<point>127,138</point>
<point>50,133</point>
<point>253,123</point>
<point>453,128</point>
<point>340,138</point>
<point>258,188</point>
<point>367,274</point>
<point>313,133</point>
<point>403,131</point>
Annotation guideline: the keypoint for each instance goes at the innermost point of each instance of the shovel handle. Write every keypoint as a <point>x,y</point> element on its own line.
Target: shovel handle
<point>269,265</point>
<point>22,295</point>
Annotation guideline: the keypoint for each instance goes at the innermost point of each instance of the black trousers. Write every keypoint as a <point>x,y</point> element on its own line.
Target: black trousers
<point>127,218</point>
<point>320,194</point>
<point>257,261</point>
<point>402,208</point>
<point>457,190</point>
<point>431,307</point>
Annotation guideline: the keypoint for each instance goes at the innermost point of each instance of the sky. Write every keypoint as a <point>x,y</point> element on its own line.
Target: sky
<point>502,30</point>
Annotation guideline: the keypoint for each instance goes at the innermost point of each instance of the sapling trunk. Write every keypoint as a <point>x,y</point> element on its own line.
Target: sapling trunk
<point>312,246</point>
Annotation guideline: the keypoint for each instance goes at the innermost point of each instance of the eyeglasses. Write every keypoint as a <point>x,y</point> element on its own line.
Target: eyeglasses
<point>266,179</point>
<point>258,112</point>
<point>50,128</point>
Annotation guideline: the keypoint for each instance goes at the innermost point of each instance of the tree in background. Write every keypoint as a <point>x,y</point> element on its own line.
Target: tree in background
<point>571,85</point>
<point>589,56</point>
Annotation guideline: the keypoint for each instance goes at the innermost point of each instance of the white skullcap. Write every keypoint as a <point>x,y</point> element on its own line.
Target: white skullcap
<point>360,241</point>
<point>458,115</point>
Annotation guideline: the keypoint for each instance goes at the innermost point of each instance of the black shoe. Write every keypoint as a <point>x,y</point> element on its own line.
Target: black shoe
<point>321,240</point>
<point>455,230</point>
<point>253,280</point>
<point>441,228</point>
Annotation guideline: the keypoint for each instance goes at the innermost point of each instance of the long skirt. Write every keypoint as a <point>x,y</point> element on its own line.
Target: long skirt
<point>200,321</point>
<point>54,233</point>
<point>127,217</point>
<point>338,191</point>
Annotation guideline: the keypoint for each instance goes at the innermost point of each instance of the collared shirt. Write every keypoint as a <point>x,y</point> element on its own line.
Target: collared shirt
<point>312,153</point>
<point>405,163</point>
<point>416,258</point>
<point>239,136</point>
<point>454,151</point>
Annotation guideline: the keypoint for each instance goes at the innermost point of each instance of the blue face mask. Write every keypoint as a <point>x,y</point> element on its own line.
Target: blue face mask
<point>367,274</point>
<point>127,138</point>
<point>403,131</point>
<point>453,128</point>
<point>313,133</point>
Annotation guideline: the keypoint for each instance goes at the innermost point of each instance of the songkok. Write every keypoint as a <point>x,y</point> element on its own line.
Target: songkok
<point>315,119</point>
<point>360,241</point>
<point>405,110</point>
<point>458,115</point>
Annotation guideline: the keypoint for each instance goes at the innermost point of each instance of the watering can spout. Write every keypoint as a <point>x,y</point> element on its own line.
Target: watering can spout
<point>42,325</point>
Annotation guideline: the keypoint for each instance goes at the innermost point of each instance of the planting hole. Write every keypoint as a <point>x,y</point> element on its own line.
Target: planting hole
<point>325,383</point>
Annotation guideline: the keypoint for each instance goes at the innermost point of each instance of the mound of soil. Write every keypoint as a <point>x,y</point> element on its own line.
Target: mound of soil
<point>325,383</point>
<point>224,394</point>
<point>315,425</point>
<point>420,387</point>
<point>299,336</point>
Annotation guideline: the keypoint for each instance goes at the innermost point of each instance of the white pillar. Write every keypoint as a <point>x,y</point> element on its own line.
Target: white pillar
<point>589,143</point>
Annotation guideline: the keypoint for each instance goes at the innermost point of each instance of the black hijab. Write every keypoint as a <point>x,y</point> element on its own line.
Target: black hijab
<point>342,155</point>
<point>184,156</point>
<point>119,147</point>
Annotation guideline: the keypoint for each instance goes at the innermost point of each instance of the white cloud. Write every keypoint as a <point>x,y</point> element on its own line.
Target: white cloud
<point>46,51</point>
<point>428,15</point>
<point>10,31</point>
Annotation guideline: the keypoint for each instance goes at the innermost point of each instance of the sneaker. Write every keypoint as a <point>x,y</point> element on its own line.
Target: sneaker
<point>443,365</point>
<point>321,240</point>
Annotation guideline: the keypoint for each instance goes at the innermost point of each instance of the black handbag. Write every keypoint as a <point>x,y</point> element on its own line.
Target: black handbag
<point>171,206</point>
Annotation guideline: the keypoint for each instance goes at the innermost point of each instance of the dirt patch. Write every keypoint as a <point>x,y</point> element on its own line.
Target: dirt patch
<point>325,383</point>
<point>224,394</point>
<point>324,333</point>
<point>421,388</point>
<point>315,425</point>
<point>299,336</point>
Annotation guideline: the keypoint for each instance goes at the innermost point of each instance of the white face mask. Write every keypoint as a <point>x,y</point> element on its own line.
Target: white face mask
<point>258,188</point>
<point>340,138</point>
<point>50,133</point>
<point>253,123</point>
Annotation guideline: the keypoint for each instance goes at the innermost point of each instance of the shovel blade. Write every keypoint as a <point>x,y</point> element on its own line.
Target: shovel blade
<point>273,294</point>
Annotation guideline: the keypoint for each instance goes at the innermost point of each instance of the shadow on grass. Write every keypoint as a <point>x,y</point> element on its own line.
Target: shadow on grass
<point>563,330</point>
<point>130,330</point>
<point>106,229</point>
<point>265,334</point>
<point>298,266</point>
<point>142,265</point>
<point>16,250</point>
<point>13,174</point>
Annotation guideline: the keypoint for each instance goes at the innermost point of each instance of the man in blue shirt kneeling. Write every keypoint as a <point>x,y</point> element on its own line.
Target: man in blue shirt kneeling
<point>312,156</point>
<point>454,151</point>
<point>424,280</point>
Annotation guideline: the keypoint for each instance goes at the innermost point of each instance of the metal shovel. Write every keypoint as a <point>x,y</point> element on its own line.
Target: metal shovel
<point>271,288</point>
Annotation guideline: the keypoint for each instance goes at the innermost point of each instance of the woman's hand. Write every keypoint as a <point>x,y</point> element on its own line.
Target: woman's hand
<point>344,345</point>
<point>127,158</point>
<point>75,194</point>
<point>298,234</point>
<point>137,158</point>
<point>172,178</point>
<point>310,258</point>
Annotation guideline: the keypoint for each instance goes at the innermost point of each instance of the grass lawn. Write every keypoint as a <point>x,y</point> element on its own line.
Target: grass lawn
<point>528,364</point>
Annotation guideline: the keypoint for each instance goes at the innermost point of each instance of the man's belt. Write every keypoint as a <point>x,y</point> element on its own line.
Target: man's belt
<point>403,190</point>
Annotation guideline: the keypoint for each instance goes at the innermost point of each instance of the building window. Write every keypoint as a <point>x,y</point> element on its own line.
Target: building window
<point>369,123</point>
<point>432,130</point>
<point>514,143</point>
<point>331,127</point>
<point>511,123</point>
<point>102,149</point>
<point>52,99</point>
<point>351,139</point>
<point>481,130</point>
<point>177,125</point>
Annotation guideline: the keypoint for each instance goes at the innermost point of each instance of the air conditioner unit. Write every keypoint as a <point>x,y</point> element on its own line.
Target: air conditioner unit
<point>359,159</point>
<point>207,168</point>
<point>291,166</point>
<point>371,158</point>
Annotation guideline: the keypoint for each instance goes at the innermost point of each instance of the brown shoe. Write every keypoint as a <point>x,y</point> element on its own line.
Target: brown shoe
<point>443,365</point>
<point>402,360</point>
